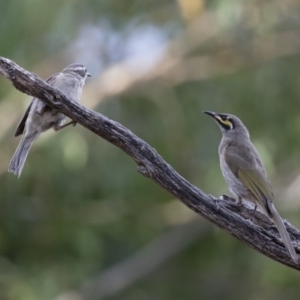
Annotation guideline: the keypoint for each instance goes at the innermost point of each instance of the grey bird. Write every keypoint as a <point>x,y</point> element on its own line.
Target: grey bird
<point>244,172</point>
<point>40,117</point>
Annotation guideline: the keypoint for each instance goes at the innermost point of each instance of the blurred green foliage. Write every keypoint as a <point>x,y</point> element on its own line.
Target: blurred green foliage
<point>80,208</point>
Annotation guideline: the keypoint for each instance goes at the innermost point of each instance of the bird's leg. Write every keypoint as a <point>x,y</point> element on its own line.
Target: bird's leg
<point>253,214</point>
<point>60,127</point>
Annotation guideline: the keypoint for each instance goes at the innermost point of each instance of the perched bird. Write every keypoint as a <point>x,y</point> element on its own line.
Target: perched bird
<point>40,117</point>
<point>244,172</point>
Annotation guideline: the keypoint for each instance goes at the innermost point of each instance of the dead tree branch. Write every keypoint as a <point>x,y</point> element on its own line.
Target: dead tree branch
<point>261,236</point>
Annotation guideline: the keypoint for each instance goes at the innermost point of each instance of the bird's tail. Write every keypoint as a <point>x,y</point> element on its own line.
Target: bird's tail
<point>17,162</point>
<point>284,234</point>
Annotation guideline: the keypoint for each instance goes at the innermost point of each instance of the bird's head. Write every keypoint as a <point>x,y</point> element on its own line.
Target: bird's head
<point>78,70</point>
<point>229,124</point>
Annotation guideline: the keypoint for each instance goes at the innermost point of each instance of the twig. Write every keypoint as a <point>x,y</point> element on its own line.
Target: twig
<point>260,236</point>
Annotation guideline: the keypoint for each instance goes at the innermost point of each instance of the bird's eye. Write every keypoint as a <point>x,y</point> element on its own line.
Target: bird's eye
<point>226,122</point>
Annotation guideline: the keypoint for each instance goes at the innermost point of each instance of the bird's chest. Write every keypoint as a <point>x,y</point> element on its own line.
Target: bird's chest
<point>234,184</point>
<point>69,86</point>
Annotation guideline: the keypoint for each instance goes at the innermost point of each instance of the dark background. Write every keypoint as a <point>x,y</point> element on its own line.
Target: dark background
<point>81,223</point>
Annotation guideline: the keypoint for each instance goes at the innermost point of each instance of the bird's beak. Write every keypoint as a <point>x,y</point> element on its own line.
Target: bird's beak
<point>88,75</point>
<point>210,113</point>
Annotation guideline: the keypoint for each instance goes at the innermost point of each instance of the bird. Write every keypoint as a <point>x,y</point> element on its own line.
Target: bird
<point>40,117</point>
<point>244,172</point>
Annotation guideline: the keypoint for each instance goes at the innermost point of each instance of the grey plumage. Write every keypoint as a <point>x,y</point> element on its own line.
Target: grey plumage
<point>40,117</point>
<point>244,172</point>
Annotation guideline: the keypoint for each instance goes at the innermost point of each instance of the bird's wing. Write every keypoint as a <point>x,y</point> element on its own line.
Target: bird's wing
<point>251,173</point>
<point>21,125</point>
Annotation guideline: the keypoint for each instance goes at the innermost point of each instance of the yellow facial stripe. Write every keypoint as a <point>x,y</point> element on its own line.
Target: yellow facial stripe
<point>225,122</point>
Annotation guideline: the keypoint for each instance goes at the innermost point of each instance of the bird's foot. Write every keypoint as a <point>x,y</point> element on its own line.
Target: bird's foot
<point>216,201</point>
<point>250,219</point>
<point>65,125</point>
<point>223,198</point>
<point>227,198</point>
<point>271,227</point>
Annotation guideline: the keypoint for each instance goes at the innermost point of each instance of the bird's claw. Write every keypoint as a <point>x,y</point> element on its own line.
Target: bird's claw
<point>227,198</point>
<point>216,201</point>
<point>250,222</point>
